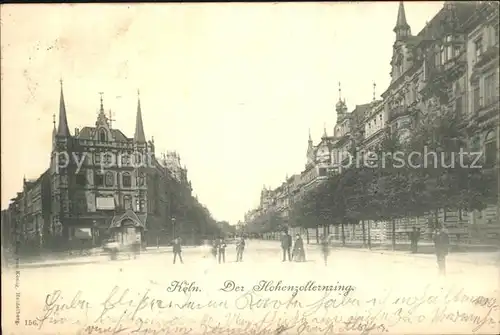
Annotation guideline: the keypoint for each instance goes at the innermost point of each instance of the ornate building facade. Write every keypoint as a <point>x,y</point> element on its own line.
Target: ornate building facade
<point>452,64</point>
<point>100,184</point>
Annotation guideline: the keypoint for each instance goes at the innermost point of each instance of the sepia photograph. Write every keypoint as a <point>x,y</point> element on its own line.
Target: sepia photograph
<point>241,168</point>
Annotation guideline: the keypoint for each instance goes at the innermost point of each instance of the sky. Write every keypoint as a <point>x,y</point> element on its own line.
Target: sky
<point>234,88</point>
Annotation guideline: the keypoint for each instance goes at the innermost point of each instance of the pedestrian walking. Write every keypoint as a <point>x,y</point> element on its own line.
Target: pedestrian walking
<point>414,238</point>
<point>325,249</point>
<point>214,248</point>
<point>221,246</point>
<point>240,247</point>
<point>299,254</point>
<point>177,250</point>
<point>286,245</point>
<point>441,245</point>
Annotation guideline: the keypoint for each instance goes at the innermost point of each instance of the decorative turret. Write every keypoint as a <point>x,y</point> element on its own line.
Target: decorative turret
<point>102,119</point>
<point>63,129</point>
<point>402,28</point>
<point>340,107</point>
<point>139,136</point>
<point>54,130</point>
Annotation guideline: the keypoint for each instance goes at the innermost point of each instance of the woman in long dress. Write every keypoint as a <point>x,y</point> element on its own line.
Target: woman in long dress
<point>299,254</point>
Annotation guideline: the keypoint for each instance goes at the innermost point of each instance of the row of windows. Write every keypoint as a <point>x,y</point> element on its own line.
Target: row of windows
<point>80,205</point>
<point>490,150</point>
<point>375,121</point>
<point>124,159</point>
<point>480,45</point>
<point>490,92</point>
<point>120,158</point>
<point>108,179</point>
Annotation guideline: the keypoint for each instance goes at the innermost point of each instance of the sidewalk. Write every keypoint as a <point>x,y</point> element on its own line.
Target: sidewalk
<point>477,258</point>
<point>73,257</point>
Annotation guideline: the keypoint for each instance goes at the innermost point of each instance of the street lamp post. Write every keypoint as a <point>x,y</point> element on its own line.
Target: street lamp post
<point>173,227</point>
<point>94,232</point>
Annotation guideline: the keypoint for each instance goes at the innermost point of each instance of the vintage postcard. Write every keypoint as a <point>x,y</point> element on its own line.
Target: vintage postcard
<point>293,168</point>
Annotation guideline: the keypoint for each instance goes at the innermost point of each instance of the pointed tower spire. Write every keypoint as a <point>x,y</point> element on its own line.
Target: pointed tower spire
<point>402,29</point>
<point>139,128</point>
<point>63,129</point>
<point>101,110</point>
<point>340,107</point>
<point>54,130</point>
<point>325,135</point>
<point>374,88</point>
<point>102,119</point>
<point>310,137</point>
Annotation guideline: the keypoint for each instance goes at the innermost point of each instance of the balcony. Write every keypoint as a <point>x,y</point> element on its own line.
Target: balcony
<point>486,57</point>
<point>450,71</point>
<point>488,111</point>
<point>398,111</point>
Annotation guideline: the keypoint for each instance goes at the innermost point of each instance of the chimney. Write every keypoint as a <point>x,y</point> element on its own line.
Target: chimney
<point>77,131</point>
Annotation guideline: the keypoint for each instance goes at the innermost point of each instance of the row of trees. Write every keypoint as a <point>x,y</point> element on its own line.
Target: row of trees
<point>421,175</point>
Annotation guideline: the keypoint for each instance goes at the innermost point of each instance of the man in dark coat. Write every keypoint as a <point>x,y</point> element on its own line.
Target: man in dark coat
<point>177,250</point>
<point>240,247</point>
<point>441,245</point>
<point>286,245</point>
<point>413,240</point>
<point>221,246</point>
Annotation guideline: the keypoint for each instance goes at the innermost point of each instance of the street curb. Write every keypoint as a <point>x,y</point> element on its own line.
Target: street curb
<point>422,256</point>
<point>74,261</point>
<point>400,254</point>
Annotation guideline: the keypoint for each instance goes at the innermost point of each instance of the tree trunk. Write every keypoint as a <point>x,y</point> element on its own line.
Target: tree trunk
<point>393,224</point>
<point>369,234</point>
<point>325,230</point>
<point>307,235</point>
<point>328,228</point>
<point>317,234</point>
<point>342,232</point>
<point>436,219</point>
<point>364,232</point>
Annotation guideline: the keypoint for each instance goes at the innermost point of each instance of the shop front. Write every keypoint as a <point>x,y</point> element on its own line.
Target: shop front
<point>128,228</point>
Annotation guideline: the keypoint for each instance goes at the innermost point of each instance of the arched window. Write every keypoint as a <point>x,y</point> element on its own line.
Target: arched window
<point>126,180</point>
<point>490,149</point>
<point>109,179</point>
<point>125,159</point>
<point>127,202</point>
<point>98,179</point>
<point>102,135</point>
<point>140,179</point>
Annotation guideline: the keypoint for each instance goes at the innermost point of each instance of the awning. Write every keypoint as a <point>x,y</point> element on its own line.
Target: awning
<point>137,220</point>
<point>105,203</point>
